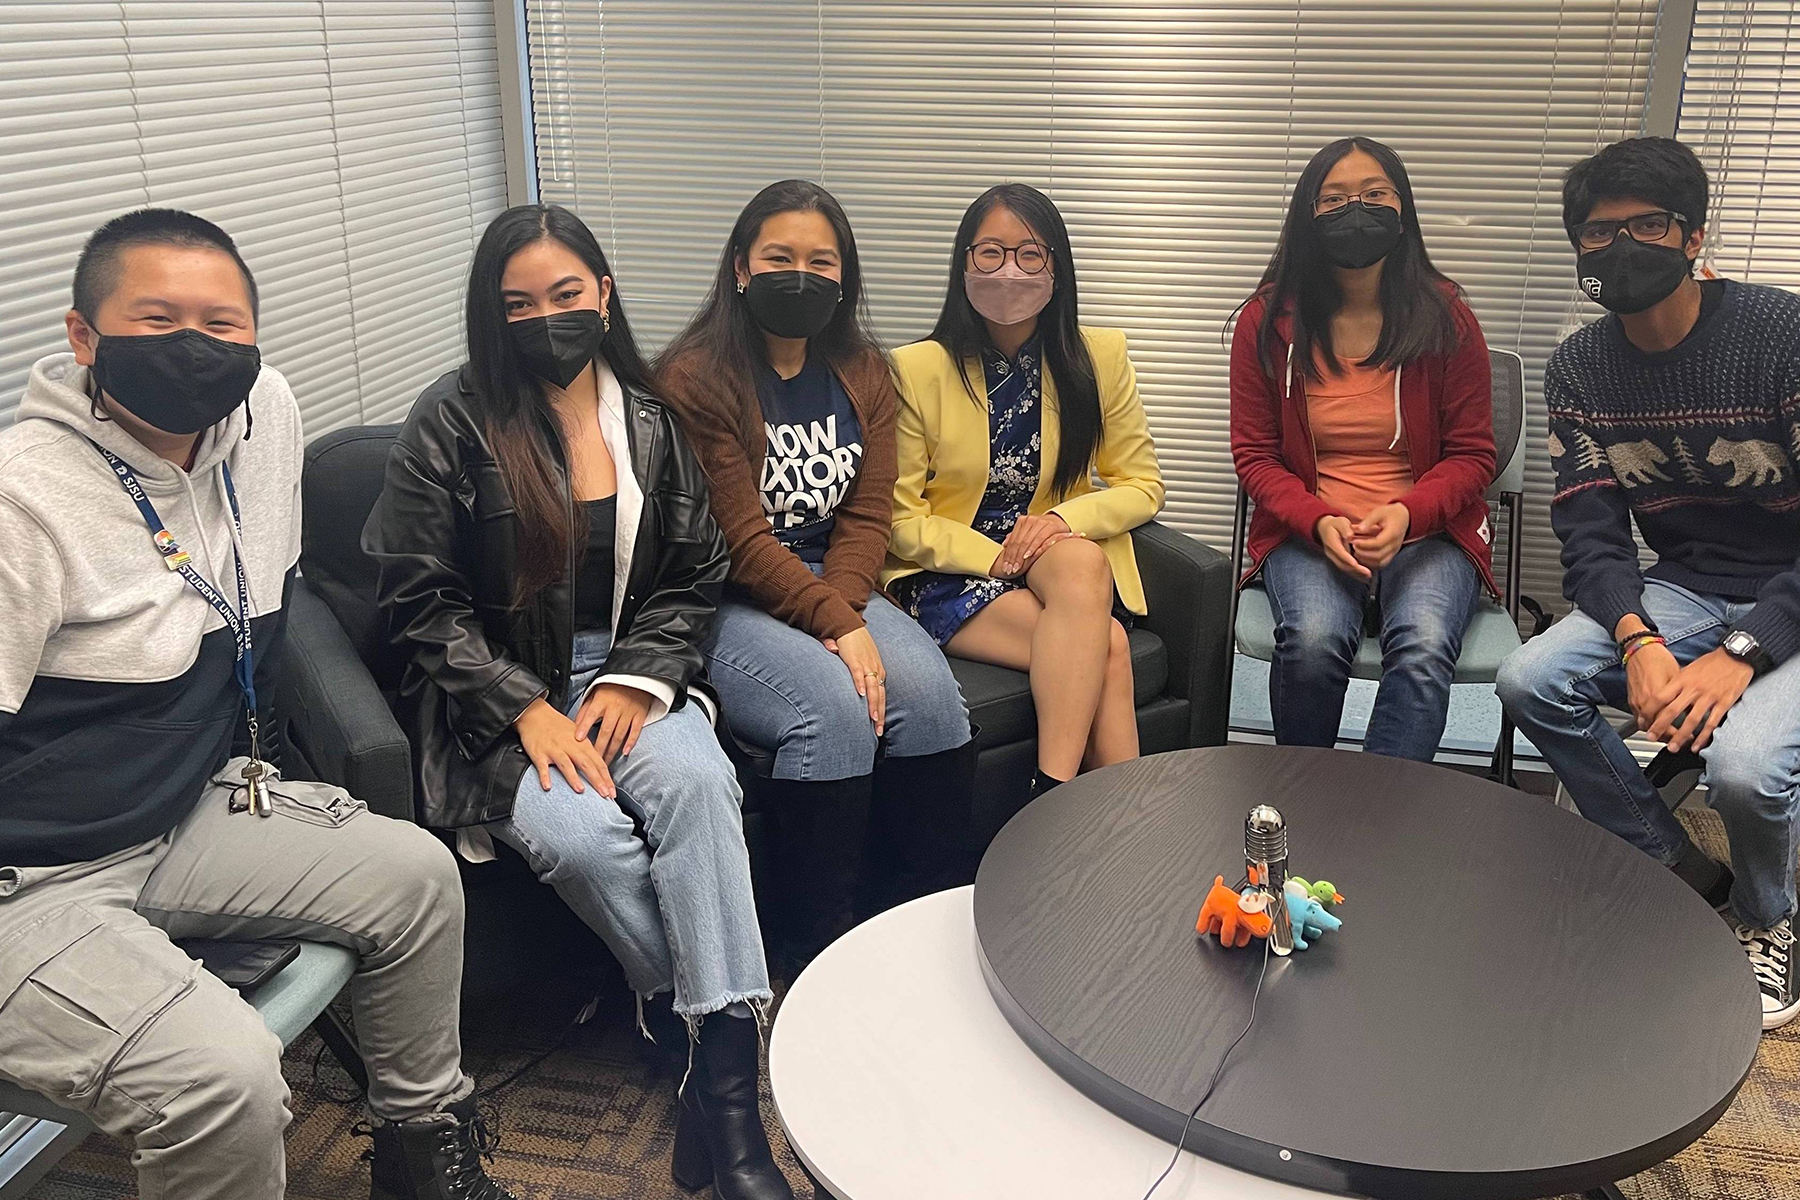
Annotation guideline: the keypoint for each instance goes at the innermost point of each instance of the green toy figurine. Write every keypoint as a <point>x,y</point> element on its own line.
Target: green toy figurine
<point>1322,891</point>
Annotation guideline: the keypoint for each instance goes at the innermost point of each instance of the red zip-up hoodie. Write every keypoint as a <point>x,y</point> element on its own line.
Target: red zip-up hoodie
<point>1445,404</point>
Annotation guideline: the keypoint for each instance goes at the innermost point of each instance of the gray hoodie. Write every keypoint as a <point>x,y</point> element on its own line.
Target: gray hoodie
<point>117,699</point>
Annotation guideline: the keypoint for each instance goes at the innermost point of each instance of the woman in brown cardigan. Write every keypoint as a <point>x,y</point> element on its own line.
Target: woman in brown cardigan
<point>791,408</point>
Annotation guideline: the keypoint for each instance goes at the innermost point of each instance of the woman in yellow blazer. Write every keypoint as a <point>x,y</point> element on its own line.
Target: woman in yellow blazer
<point>1003,549</point>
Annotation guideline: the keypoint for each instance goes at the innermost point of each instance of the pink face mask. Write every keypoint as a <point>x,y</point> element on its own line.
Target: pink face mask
<point>1009,295</point>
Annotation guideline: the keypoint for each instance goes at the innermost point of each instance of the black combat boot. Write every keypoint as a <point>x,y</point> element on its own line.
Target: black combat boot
<point>435,1158</point>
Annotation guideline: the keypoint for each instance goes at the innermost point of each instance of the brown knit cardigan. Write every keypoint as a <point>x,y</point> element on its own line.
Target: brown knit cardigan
<point>723,419</point>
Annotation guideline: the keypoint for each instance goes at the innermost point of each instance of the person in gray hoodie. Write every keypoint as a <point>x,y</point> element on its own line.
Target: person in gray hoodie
<point>149,527</point>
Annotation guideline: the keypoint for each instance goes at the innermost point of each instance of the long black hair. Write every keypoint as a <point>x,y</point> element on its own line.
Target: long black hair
<point>723,335</point>
<point>527,438</point>
<point>1302,283</point>
<point>961,331</point>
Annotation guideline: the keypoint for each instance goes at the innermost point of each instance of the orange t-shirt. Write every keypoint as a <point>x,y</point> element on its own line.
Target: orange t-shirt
<point>1361,464</point>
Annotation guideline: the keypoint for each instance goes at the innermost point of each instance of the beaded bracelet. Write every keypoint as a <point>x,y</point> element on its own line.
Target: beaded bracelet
<point>1638,641</point>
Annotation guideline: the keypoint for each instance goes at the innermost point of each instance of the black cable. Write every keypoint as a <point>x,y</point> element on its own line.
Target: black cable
<point>1217,1071</point>
<point>581,1018</point>
<point>353,1096</point>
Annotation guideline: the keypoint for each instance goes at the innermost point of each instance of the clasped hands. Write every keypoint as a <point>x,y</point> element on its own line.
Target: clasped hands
<point>607,725</point>
<point>1681,706</point>
<point>1030,537</point>
<point>1361,548</point>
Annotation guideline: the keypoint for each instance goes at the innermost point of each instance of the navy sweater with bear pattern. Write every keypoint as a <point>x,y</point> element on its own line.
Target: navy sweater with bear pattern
<point>1699,444</point>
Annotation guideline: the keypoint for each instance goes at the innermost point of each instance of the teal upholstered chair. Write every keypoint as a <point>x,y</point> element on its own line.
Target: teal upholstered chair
<point>297,997</point>
<point>1494,631</point>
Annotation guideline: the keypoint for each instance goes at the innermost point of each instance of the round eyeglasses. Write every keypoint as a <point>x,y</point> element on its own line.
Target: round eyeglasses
<point>988,257</point>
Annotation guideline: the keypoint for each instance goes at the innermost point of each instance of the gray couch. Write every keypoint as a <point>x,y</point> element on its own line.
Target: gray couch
<point>338,675</point>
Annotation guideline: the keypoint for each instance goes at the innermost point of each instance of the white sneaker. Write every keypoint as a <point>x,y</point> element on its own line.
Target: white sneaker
<point>1773,960</point>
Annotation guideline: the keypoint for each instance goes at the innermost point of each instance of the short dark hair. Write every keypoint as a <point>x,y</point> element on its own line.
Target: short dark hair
<point>1658,170</point>
<point>97,270</point>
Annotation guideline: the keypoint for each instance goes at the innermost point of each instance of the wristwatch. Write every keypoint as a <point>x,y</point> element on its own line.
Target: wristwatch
<point>1742,645</point>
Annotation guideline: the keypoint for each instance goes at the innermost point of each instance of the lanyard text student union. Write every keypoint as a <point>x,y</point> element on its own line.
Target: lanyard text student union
<point>256,773</point>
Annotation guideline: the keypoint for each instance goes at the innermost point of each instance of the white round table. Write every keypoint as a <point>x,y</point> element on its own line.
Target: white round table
<point>896,1077</point>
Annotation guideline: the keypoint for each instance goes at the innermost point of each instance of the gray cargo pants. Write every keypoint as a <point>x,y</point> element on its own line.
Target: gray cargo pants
<point>99,1012</point>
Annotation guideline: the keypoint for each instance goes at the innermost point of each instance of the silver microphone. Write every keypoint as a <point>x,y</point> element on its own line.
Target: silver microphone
<point>1265,863</point>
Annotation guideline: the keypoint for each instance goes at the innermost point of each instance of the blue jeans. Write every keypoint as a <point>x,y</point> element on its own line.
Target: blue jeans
<point>1426,596</point>
<point>674,905</point>
<point>1554,685</point>
<point>785,692</point>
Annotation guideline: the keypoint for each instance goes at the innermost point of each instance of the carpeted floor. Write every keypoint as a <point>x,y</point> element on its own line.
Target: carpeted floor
<point>596,1119</point>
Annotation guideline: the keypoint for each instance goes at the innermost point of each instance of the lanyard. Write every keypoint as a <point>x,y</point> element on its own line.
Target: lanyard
<point>181,562</point>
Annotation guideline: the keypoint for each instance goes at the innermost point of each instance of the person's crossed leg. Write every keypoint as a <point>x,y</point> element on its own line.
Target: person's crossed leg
<point>1554,687</point>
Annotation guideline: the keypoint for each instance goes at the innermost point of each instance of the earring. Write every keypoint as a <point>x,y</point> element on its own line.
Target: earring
<point>605,322</point>
<point>740,287</point>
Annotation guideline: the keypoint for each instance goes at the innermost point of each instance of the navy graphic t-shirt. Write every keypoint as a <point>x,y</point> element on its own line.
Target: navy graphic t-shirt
<point>812,457</point>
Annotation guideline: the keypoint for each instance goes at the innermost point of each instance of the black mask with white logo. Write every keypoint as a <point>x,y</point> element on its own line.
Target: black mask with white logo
<point>180,382</point>
<point>792,304</point>
<point>1630,276</point>
<point>557,348</point>
<point>1359,235</point>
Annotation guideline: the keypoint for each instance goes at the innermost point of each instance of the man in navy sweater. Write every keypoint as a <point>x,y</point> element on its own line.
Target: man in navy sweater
<point>1680,410</point>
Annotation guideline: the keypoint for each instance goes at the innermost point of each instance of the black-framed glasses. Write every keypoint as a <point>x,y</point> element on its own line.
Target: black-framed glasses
<point>1332,201</point>
<point>1643,227</point>
<point>988,257</point>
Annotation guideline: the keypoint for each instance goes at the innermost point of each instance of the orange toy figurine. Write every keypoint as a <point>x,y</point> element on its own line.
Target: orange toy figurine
<point>1234,918</point>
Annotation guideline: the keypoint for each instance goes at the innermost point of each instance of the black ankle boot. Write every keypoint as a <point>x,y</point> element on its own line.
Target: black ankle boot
<point>435,1158</point>
<point>719,1134</point>
<point>920,828</point>
<point>1041,783</point>
<point>821,828</point>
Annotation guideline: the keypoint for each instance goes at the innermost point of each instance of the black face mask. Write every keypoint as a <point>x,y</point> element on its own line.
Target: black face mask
<point>1630,276</point>
<point>1359,235</point>
<point>557,348</point>
<point>792,304</point>
<point>180,382</point>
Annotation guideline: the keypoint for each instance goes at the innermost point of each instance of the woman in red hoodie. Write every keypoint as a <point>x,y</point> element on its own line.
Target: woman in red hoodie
<point>1362,429</point>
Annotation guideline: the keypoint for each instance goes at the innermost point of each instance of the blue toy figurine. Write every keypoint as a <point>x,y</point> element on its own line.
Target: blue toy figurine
<point>1308,917</point>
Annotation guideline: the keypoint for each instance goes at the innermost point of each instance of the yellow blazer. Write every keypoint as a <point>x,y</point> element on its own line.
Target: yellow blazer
<point>941,437</point>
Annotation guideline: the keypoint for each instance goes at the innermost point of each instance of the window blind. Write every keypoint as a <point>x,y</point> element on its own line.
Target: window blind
<point>351,147</point>
<point>1740,111</point>
<point>1168,134</point>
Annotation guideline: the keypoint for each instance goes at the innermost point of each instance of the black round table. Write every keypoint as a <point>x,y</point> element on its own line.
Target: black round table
<point>1519,1004</point>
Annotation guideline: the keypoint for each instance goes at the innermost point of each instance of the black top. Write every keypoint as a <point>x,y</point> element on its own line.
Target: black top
<point>594,567</point>
<point>1519,1003</point>
<point>1697,445</point>
<point>813,454</point>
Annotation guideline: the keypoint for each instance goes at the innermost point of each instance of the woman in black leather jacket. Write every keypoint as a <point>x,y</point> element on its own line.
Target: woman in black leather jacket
<point>548,560</point>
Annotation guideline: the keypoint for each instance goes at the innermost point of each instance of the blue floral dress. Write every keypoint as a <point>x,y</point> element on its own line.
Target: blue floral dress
<point>942,603</point>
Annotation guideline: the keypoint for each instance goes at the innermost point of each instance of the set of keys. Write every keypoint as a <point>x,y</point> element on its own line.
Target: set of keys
<point>254,795</point>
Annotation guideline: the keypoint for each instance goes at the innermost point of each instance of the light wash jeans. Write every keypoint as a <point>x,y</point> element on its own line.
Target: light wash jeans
<point>1426,596</point>
<point>1553,687</point>
<point>784,691</point>
<point>674,904</point>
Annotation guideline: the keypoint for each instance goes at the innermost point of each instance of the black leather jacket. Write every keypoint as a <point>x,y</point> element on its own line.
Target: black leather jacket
<point>445,540</point>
